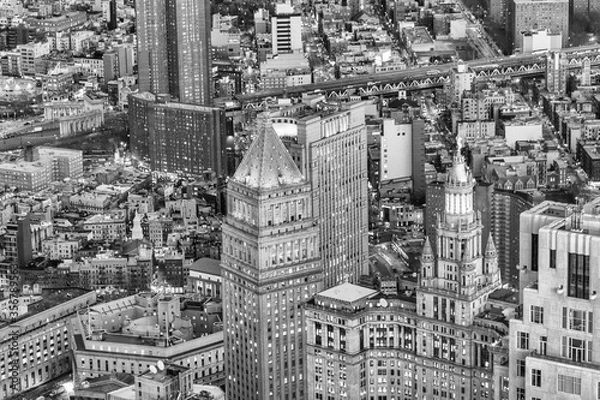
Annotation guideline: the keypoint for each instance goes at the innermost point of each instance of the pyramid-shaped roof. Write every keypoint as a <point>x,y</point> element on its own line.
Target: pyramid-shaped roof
<point>490,250</point>
<point>267,163</point>
<point>427,250</point>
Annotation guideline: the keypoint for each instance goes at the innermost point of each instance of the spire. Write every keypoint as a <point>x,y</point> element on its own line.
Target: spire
<point>427,250</point>
<point>267,163</point>
<point>490,248</point>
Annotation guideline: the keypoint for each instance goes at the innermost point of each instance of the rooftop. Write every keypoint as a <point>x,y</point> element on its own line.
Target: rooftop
<point>51,298</point>
<point>505,295</point>
<point>267,163</point>
<point>207,265</point>
<point>348,292</point>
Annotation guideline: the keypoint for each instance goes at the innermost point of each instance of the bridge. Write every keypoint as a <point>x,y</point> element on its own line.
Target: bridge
<point>417,78</point>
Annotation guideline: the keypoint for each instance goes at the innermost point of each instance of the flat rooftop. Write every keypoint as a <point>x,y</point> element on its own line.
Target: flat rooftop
<point>348,292</point>
<point>50,298</point>
<point>505,295</point>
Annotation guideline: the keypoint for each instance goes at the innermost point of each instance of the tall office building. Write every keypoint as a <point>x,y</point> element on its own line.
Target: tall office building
<point>530,223</point>
<point>439,343</point>
<point>174,49</point>
<point>525,15</point>
<point>271,265</point>
<point>456,280</point>
<point>286,30</point>
<point>329,145</point>
<point>335,160</point>
<point>554,345</point>
<point>177,137</point>
<point>507,207</point>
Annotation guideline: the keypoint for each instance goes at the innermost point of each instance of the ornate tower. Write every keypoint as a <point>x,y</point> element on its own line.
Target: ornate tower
<point>455,283</point>
<point>271,265</point>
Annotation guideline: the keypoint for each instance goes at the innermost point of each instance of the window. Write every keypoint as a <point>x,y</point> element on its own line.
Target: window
<point>579,276</point>
<point>537,314</point>
<point>536,377</point>
<point>553,259</point>
<point>534,251</point>
<point>520,367</point>
<point>569,384</point>
<point>523,340</point>
<point>520,394</point>
<point>543,344</point>
<point>577,350</point>
<point>578,320</point>
<point>598,392</point>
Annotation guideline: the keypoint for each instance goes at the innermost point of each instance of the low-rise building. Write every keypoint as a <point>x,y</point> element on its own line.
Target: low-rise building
<point>106,226</point>
<point>133,333</point>
<point>109,270</point>
<point>66,163</point>
<point>285,70</point>
<point>205,277</point>
<point>40,340</point>
<point>92,202</point>
<point>61,248</point>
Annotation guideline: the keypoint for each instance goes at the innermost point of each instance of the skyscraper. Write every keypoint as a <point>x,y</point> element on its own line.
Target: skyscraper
<point>177,137</point>
<point>335,160</point>
<point>174,48</point>
<point>507,207</point>
<point>554,344</point>
<point>455,283</point>
<point>329,142</point>
<point>271,265</point>
<point>439,343</point>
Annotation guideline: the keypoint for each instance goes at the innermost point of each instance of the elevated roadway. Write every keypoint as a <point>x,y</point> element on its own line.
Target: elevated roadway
<point>417,78</point>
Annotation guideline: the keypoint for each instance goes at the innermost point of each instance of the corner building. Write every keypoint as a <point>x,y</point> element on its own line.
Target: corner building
<point>554,342</point>
<point>271,265</point>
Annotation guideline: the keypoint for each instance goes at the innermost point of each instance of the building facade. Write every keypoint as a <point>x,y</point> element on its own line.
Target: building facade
<point>176,137</point>
<point>524,15</point>
<point>507,207</point>
<point>286,30</point>
<point>270,266</point>
<point>554,348</point>
<point>335,160</point>
<point>174,49</point>
<point>41,341</point>
<point>438,341</point>
<point>131,334</point>
<point>456,281</point>
<point>403,154</point>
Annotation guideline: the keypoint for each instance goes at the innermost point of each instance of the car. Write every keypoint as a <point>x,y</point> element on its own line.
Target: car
<point>57,391</point>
